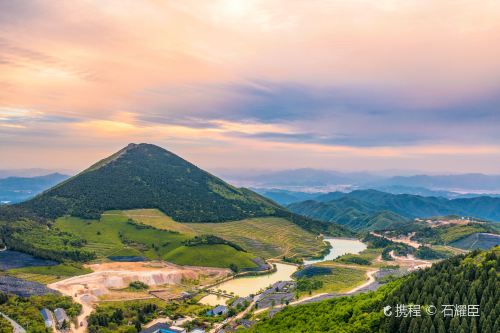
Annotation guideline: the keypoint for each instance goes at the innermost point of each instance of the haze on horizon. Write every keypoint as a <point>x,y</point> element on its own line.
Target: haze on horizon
<point>276,84</point>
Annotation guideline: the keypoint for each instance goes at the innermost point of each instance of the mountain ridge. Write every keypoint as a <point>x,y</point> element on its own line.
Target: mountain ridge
<point>147,176</point>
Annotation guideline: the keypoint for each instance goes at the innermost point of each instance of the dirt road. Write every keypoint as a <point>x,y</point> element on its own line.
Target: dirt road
<point>371,278</point>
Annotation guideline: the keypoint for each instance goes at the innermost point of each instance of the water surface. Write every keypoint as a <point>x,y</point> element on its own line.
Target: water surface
<point>340,246</point>
<point>244,286</point>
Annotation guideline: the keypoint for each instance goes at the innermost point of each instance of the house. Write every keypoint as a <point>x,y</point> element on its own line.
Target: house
<point>61,317</point>
<point>197,330</point>
<point>47,317</point>
<point>163,328</point>
<point>241,302</point>
<point>218,311</point>
<point>246,323</point>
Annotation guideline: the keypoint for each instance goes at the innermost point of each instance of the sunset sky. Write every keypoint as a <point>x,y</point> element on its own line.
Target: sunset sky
<point>274,84</point>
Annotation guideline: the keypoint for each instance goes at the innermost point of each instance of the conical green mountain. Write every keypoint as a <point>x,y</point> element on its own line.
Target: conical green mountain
<point>147,176</point>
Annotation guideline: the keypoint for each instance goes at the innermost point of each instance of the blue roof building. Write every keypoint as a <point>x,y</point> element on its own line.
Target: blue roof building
<point>47,317</point>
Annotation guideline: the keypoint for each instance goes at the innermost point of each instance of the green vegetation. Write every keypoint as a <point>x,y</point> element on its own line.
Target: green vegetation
<point>355,259</point>
<point>211,240</point>
<point>371,210</point>
<point>310,271</point>
<point>5,326</point>
<point>44,242</point>
<point>137,285</point>
<point>267,237</point>
<point>309,285</point>
<point>347,314</point>
<point>48,274</point>
<point>147,176</point>
<point>146,179</point>
<point>471,279</point>
<point>365,257</point>
<point>123,317</point>
<point>330,278</point>
<point>210,255</point>
<point>26,310</point>
<point>130,316</point>
<point>428,253</point>
<point>447,234</point>
<point>116,235</point>
<point>158,220</point>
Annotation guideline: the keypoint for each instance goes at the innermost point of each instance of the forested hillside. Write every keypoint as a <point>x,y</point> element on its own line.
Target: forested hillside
<point>147,176</point>
<point>138,176</point>
<point>462,280</point>
<point>410,206</point>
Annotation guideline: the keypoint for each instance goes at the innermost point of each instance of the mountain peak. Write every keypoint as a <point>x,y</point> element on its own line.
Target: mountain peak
<point>147,176</point>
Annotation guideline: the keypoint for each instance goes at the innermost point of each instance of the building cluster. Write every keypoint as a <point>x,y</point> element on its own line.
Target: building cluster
<point>280,293</point>
<point>58,318</point>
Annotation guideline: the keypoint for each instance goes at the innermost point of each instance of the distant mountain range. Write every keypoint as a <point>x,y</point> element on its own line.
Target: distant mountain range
<point>16,189</point>
<point>361,209</point>
<point>286,197</point>
<point>463,182</point>
<point>311,180</point>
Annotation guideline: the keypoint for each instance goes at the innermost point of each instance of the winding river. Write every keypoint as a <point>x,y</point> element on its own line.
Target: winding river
<point>244,286</point>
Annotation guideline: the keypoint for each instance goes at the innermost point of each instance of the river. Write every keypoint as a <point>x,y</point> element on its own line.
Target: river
<point>340,246</point>
<point>244,286</point>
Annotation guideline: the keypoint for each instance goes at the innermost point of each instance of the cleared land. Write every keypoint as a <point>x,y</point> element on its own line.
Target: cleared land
<point>108,279</point>
<point>115,235</point>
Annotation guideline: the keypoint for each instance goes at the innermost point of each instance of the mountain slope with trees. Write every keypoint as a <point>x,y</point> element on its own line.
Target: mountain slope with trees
<point>357,210</point>
<point>138,176</point>
<point>147,176</point>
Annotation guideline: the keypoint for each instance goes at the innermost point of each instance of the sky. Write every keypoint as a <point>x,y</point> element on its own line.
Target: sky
<point>234,84</point>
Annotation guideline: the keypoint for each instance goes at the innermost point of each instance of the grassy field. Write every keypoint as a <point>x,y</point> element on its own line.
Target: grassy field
<point>48,274</point>
<point>456,232</point>
<point>367,254</point>
<point>341,279</point>
<point>113,235</point>
<point>219,255</point>
<point>158,220</point>
<point>266,237</point>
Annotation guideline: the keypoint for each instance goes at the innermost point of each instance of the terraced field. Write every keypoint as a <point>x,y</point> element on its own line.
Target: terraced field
<point>267,237</point>
<point>156,219</point>
<point>115,235</point>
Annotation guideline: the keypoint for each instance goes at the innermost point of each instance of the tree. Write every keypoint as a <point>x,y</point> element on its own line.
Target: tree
<point>234,268</point>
